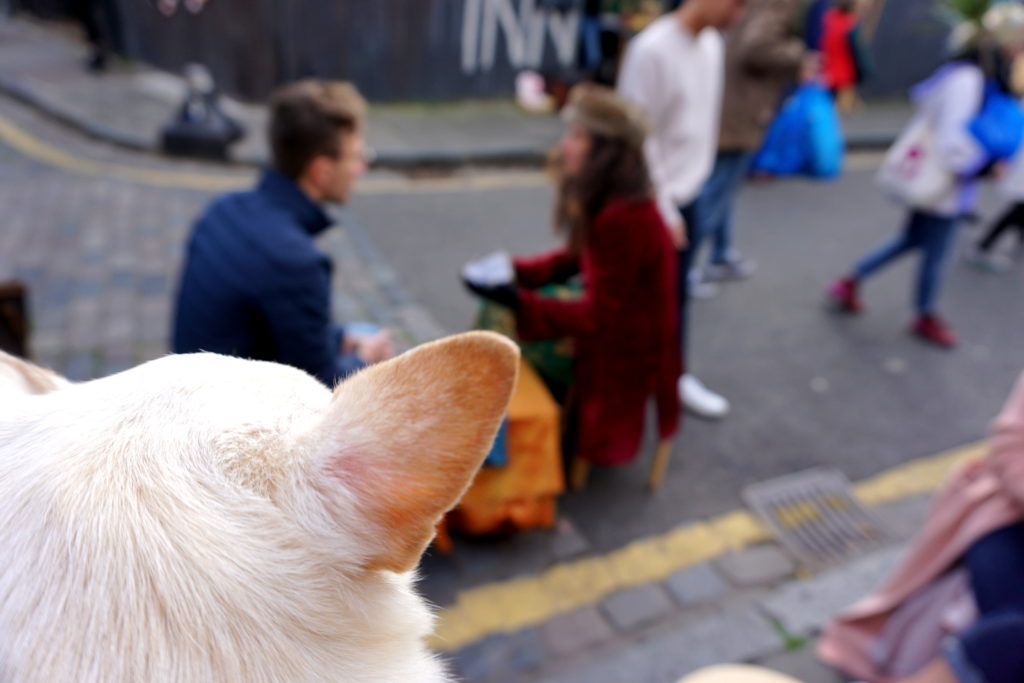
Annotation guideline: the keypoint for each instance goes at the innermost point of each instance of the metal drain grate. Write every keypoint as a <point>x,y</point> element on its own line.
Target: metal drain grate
<point>816,517</point>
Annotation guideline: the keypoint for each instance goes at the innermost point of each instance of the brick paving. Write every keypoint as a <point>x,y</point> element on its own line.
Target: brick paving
<point>750,608</point>
<point>101,259</point>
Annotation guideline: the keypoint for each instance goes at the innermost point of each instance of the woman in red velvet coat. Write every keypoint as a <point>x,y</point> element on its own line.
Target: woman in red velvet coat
<point>625,323</point>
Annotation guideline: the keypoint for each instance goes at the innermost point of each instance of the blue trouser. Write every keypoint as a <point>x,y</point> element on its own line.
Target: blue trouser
<point>685,261</point>
<point>717,200</point>
<point>590,30</point>
<point>992,650</point>
<point>934,236</point>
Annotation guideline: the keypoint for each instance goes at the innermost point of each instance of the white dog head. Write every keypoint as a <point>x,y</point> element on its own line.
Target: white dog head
<point>204,518</point>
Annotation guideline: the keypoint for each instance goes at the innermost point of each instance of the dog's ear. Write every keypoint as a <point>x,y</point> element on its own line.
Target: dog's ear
<point>21,377</point>
<point>407,436</point>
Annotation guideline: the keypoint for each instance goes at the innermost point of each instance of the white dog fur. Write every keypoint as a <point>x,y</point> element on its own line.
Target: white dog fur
<point>204,518</point>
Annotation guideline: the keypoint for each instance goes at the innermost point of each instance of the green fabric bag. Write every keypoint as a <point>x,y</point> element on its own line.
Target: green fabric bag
<point>551,358</point>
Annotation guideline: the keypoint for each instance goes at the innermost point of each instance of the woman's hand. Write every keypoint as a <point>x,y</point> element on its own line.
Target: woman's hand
<point>677,231</point>
<point>371,348</point>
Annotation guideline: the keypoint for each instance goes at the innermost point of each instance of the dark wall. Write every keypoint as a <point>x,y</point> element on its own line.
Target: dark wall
<point>420,49</point>
<point>392,49</point>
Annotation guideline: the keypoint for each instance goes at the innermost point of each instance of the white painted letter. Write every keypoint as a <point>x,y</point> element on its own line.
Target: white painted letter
<point>470,36</point>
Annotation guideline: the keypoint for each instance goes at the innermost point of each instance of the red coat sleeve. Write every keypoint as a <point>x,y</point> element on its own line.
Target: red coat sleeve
<point>608,259</point>
<point>554,266</point>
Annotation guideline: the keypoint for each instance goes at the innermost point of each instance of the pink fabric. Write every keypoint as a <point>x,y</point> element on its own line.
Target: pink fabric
<point>913,634</point>
<point>980,497</point>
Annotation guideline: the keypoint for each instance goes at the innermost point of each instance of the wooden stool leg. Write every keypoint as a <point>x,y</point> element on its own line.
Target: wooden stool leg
<point>660,464</point>
<point>580,472</point>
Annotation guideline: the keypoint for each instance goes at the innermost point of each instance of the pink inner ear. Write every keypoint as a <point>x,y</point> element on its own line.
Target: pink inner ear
<point>349,466</point>
<point>397,506</point>
<point>359,472</point>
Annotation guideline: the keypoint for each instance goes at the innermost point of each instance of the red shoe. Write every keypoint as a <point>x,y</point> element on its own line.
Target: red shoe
<point>933,330</point>
<point>844,294</point>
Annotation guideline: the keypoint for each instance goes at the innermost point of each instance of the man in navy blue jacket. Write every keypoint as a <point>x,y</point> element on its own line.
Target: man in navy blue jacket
<point>254,283</point>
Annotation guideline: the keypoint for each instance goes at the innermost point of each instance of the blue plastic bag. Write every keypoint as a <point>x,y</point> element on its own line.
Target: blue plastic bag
<point>783,152</point>
<point>824,134</point>
<point>498,455</point>
<point>805,138</point>
<point>999,126</point>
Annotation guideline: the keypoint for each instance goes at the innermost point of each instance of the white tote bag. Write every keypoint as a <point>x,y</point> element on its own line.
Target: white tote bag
<point>912,171</point>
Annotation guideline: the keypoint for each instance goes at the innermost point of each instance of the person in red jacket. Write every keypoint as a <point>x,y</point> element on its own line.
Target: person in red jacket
<point>625,323</point>
<point>839,61</point>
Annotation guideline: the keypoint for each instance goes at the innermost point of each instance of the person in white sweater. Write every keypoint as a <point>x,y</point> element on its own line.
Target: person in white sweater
<point>674,70</point>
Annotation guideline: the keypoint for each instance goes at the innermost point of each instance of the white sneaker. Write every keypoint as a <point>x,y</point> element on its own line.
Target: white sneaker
<point>701,288</point>
<point>734,269</point>
<point>993,263</point>
<point>700,400</point>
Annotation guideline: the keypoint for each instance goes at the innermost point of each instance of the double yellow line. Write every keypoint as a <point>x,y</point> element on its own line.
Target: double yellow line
<point>508,606</point>
<point>34,148</point>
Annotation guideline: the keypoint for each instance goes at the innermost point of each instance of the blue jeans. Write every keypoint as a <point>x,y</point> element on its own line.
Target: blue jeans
<point>992,650</point>
<point>590,30</point>
<point>685,261</point>
<point>934,236</point>
<point>717,200</point>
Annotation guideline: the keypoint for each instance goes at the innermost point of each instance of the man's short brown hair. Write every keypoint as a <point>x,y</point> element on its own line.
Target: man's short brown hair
<point>307,120</point>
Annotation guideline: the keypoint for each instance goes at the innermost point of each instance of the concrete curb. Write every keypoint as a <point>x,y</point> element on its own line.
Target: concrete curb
<point>97,131</point>
<point>440,159</point>
<point>389,160</point>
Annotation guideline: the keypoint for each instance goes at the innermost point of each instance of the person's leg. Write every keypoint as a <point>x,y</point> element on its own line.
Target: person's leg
<point>685,261</point>
<point>705,205</point>
<point>590,28</point>
<point>697,230</point>
<point>845,291</point>
<point>908,239</point>
<point>939,233</point>
<point>88,14</point>
<point>995,564</point>
<point>1011,217</point>
<point>735,172</point>
<point>711,196</point>
<point>111,27</point>
<point>715,200</point>
<point>990,650</point>
<point>696,397</point>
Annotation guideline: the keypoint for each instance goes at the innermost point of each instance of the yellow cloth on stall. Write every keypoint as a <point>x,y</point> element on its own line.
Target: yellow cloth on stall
<point>522,494</point>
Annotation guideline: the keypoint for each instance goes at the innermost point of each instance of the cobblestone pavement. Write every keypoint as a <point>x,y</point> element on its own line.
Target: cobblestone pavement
<point>101,256</point>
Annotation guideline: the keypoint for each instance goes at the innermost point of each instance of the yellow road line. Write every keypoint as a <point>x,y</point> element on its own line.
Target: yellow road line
<point>34,148</point>
<point>508,606</point>
<point>44,152</point>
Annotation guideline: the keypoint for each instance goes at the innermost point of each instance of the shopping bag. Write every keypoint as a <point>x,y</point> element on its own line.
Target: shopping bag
<point>498,455</point>
<point>912,171</point>
<point>805,138</point>
<point>999,125</point>
<point>783,153</point>
<point>825,144</point>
